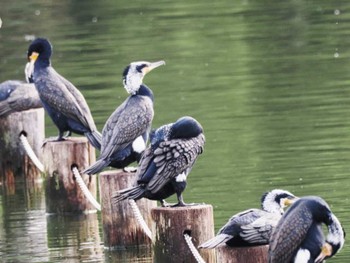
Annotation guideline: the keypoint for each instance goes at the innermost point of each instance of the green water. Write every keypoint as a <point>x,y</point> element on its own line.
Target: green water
<point>268,81</point>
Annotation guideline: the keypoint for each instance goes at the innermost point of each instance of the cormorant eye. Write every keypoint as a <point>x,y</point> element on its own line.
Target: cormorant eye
<point>140,67</point>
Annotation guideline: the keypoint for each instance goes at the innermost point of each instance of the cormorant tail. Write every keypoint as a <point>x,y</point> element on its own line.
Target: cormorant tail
<point>95,138</point>
<point>134,193</point>
<point>96,167</point>
<point>216,241</point>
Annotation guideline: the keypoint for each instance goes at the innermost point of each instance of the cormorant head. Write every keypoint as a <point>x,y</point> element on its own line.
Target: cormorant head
<point>185,127</point>
<point>134,73</point>
<point>39,50</point>
<point>335,238</point>
<point>277,199</point>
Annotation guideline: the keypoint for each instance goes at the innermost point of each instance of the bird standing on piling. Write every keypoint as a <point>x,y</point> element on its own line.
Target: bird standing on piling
<point>166,163</point>
<point>298,237</point>
<point>126,131</point>
<point>254,226</point>
<point>64,103</point>
<point>17,96</point>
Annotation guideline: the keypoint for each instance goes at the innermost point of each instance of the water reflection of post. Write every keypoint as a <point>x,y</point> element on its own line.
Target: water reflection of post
<point>63,194</point>
<point>74,238</point>
<point>13,159</point>
<point>24,230</point>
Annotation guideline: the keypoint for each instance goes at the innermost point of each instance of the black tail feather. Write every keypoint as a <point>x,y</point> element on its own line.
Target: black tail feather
<point>134,193</point>
<point>95,138</point>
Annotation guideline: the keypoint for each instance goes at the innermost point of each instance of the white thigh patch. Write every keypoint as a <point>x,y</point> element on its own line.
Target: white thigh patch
<point>181,177</point>
<point>139,145</point>
<point>302,256</point>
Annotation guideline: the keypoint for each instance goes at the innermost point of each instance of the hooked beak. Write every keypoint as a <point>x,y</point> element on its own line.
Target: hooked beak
<point>287,202</point>
<point>326,251</point>
<point>153,65</point>
<point>33,57</point>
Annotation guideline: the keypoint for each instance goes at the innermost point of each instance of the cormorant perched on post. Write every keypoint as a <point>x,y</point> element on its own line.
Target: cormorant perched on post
<point>125,133</point>
<point>61,99</point>
<point>16,95</point>
<point>166,163</point>
<point>298,236</point>
<point>254,226</point>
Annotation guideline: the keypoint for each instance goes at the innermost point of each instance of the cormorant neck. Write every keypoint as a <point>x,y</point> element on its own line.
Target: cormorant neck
<point>145,91</point>
<point>42,63</point>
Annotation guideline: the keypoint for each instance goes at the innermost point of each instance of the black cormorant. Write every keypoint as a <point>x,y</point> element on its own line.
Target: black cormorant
<point>17,96</point>
<point>254,226</point>
<point>166,163</point>
<point>125,133</point>
<point>64,103</point>
<point>298,236</point>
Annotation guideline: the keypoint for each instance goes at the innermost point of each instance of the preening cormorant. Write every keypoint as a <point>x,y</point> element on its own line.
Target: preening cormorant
<point>17,96</point>
<point>254,226</point>
<point>166,163</point>
<point>126,131</point>
<point>64,103</point>
<point>298,236</point>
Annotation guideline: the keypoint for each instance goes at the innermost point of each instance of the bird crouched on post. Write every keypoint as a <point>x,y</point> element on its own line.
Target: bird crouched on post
<point>166,163</point>
<point>298,236</point>
<point>125,134</point>
<point>253,227</point>
<point>64,103</point>
<point>16,96</point>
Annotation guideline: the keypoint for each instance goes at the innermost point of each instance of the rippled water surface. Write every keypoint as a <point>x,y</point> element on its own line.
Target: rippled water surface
<point>268,80</point>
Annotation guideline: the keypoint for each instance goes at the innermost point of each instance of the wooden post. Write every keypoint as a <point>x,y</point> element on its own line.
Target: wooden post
<point>120,227</point>
<point>256,254</point>
<point>63,194</point>
<point>169,228</point>
<point>14,161</point>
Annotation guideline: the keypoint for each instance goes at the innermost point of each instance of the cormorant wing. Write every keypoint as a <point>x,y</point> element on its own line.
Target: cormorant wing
<point>86,117</point>
<point>59,96</point>
<point>289,234</point>
<point>24,97</point>
<point>129,121</point>
<point>174,157</point>
<point>260,230</point>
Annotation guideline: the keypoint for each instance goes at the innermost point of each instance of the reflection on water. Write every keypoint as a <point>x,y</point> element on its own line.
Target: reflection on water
<point>268,80</point>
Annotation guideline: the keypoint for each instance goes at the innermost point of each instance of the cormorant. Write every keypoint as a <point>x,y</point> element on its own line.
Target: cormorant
<point>298,236</point>
<point>126,131</point>
<point>166,163</point>
<point>253,226</point>
<point>16,95</point>
<point>64,103</point>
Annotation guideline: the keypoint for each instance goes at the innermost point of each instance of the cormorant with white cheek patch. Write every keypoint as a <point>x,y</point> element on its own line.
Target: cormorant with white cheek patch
<point>298,237</point>
<point>166,163</point>
<point>64,103</point>
<point>254,226</point>
<point>125,133</point>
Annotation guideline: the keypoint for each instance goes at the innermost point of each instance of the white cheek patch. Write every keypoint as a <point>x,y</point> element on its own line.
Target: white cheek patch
<point>139,145</point>
<point>181,177</point>
<point>303,256</point>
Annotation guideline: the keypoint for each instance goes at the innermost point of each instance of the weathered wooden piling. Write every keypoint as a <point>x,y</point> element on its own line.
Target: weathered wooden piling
<point>14,161</point>
<point>170,224</point>
<point>63,195</point>
<point>255,254</point>
<point>120,227</point>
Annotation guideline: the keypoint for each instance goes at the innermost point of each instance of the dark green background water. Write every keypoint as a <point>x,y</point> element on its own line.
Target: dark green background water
<point>268,80</point>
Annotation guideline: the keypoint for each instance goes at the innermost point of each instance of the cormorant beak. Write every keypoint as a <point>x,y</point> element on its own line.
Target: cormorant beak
<point>33,57</point>
<point>326,251</point>
<point>152,66</point>
<point>287,202</point>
